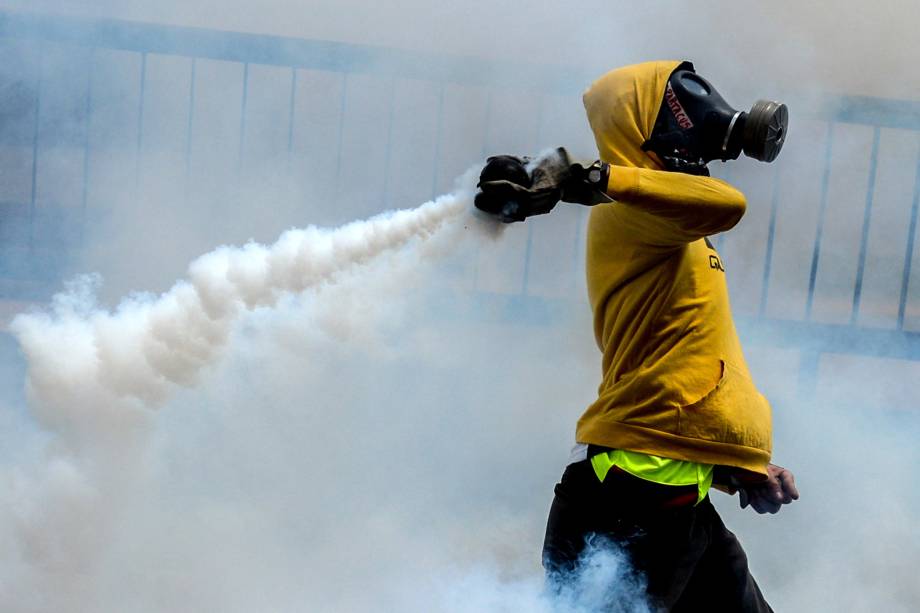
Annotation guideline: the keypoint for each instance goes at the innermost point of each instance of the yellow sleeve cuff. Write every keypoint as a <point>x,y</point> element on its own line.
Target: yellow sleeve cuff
<point>622,182</point>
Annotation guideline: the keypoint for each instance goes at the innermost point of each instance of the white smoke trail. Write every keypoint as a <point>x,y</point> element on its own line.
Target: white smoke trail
<point>94,375</point>
<point>135,356</point>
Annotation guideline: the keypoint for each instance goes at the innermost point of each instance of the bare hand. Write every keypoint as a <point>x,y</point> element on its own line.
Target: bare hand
<point>770,495</point>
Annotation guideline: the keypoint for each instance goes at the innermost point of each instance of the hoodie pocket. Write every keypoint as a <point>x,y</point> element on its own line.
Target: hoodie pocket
<point>733,412</point>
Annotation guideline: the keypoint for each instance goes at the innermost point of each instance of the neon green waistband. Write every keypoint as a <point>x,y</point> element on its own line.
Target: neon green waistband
<point>663,471</point>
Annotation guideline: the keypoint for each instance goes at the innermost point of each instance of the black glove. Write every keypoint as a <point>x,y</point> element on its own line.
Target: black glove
<point>587,186</point>
<point>512,193</point>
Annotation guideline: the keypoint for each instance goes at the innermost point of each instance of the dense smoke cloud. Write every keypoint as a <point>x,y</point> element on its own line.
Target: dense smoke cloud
<point>382,435</point>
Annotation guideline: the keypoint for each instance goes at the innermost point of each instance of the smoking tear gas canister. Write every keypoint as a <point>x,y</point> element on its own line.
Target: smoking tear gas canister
<point>513,170</point>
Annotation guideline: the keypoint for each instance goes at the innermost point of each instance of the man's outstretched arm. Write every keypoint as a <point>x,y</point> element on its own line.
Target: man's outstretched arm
<point>690,206</point>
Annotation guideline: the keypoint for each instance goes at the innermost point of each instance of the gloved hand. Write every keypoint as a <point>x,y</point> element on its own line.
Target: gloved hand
<point>514,188</point>
<point>512,192</point>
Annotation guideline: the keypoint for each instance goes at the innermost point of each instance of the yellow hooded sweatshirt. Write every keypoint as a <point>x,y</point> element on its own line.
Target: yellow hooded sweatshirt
<point>675,383</point>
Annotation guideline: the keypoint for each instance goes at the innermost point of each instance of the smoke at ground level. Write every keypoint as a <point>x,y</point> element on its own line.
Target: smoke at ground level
<point>381,441</point>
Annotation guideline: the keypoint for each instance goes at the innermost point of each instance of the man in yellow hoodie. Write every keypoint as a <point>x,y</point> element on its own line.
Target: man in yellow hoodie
<point>677,410</point>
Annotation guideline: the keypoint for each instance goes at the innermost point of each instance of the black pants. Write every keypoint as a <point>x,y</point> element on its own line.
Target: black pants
<point>690,560</point>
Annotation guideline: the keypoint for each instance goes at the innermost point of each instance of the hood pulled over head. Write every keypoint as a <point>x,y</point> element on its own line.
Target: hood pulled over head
<point>622,107</point>
<point>664,115</point>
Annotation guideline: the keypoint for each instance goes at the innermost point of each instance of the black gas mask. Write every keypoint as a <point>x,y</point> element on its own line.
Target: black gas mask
<point>695,126</point>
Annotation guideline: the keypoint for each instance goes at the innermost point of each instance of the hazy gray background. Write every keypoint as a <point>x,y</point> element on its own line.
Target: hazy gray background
<point>391,440</point>
<point>852,47</point>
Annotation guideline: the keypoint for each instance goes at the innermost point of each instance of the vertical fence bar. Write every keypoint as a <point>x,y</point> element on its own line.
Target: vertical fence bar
<point>244,103</point>
<point>437,141</point>
<point>525,280</point>
<point>822,210</point>
<point>577,263</point>
<point>538,134</point>
<point>528,251</point>
<point>139,145</point>
<point>487,128</point>
<point>391,111</point>
<point>36,129</point>
<point>909,253</point>
<point>341,137</point>
<point>771,234</point>
<point>88,113</point>
<point>291,106</point>
<point>867,220</point>
<point>486,146</point>
<point>578,259</point>
<point>190,126</point>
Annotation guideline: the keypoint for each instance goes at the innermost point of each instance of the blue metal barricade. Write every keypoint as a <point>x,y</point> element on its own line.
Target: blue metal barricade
<point>103,119</point>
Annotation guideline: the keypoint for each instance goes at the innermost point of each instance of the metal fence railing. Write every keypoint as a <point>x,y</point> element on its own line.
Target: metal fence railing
<point>888,251</point>
<point>79,94</point>
<point>84,112</point>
